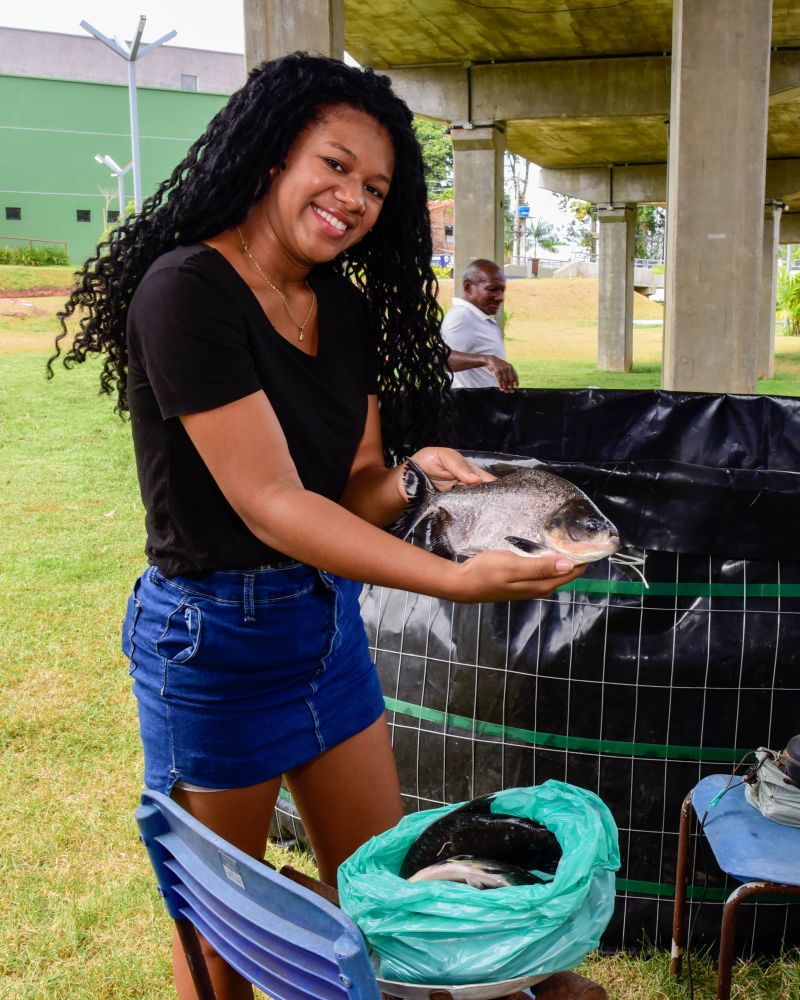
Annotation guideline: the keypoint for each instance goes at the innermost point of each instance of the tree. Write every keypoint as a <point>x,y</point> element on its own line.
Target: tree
<point>541,234</point>
<point>516,183</point>
<point>789,298</point>
<point>650,227</point>
<point>437,154</point>
<point>583,227</point>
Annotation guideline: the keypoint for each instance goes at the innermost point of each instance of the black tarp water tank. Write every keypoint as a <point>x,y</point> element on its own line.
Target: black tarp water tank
<point>635,693</point>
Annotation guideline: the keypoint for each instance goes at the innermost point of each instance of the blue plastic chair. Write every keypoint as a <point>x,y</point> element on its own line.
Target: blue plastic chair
<point>279,935</point>
<point>762,854</point>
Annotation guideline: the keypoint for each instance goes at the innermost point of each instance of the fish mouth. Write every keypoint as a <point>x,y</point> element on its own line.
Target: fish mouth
<point>581,552</point>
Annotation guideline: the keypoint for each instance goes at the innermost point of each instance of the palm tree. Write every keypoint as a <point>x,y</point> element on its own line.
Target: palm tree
<point>542,234</point>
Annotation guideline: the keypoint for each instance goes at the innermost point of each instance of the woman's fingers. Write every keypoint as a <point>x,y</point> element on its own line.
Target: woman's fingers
<point>503,576</point>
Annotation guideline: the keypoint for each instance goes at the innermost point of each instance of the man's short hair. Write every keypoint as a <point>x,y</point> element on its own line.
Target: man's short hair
<point>475,270</point>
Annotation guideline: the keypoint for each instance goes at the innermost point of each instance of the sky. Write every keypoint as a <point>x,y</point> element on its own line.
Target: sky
<point>199,25</point>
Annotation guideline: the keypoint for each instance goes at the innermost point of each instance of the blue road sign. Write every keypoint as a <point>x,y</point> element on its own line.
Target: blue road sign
<point>523,211</point>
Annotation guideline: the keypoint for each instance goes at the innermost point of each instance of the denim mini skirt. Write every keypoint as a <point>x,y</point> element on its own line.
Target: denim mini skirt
<point>242,675</point>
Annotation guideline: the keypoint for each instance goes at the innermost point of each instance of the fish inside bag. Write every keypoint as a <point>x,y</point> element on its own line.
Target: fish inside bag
<point>450,933</point>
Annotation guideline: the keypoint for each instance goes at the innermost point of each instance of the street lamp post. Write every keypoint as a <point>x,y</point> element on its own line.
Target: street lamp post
<point>130,55</point>
<point>119,172</point>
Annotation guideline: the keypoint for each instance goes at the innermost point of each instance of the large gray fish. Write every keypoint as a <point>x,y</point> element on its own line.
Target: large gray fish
<point>480,873</point>
<point>473,829</point>
<point>527,511</point>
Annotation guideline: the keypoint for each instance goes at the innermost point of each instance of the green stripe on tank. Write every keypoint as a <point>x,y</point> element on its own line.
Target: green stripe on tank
<point>721,755</point>
<point>635,588</point>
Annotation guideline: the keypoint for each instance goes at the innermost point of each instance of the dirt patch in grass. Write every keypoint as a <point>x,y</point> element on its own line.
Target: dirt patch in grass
<point>32,293</point>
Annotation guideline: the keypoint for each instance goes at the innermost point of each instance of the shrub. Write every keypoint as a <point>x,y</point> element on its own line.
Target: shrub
<point>789,298</point>
<point>442,272</point>
<point>34,256</point>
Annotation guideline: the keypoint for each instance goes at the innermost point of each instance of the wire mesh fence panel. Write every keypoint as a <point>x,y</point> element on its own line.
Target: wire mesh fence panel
<point>633,690</point>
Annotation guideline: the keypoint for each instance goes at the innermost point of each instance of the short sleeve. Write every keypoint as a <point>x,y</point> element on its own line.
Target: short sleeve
<point>457,331</point>
<point>190,338</point>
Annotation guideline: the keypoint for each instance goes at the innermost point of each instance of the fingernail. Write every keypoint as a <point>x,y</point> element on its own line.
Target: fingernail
<point>563,565</point>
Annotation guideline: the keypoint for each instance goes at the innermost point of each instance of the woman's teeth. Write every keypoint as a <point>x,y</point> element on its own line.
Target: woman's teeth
<point>331,219</point>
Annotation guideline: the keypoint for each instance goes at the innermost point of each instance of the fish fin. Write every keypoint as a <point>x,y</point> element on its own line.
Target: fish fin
<point>501,469</point>
<point>436,539</point>
<point>482,804</point>
<point>526,544</point>
<point>418,488</point>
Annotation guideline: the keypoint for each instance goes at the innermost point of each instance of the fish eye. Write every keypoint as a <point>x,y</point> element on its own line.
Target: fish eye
<point>592,524</point>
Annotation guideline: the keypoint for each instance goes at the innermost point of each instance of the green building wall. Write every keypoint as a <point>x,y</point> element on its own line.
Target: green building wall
<point>50,131</point>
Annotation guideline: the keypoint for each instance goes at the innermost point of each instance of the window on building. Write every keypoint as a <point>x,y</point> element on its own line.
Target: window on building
<point>448,234</point>
<point>188,81</point>
<point>13,213</point>
<point>83,215</point>
<point>112,215</point>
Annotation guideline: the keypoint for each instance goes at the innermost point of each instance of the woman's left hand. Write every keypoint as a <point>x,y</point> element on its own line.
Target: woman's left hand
<point>446,467</point>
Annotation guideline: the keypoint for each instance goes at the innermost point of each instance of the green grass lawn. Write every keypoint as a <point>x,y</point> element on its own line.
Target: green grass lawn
<point>80,918</point>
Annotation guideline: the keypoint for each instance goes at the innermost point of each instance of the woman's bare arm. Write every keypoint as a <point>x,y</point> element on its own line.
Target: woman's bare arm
<point>244,448</point>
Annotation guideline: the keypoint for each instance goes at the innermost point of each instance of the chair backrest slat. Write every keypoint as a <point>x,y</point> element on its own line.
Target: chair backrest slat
<point>280,936</point>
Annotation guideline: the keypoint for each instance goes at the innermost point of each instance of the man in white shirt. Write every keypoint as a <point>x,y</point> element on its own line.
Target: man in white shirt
<point>477,352</point>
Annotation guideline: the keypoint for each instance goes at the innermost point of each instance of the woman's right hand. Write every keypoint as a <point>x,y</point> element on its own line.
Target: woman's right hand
<point>497,575</point>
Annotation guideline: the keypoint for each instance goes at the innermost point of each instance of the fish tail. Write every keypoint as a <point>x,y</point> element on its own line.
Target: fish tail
<point>418,488</point>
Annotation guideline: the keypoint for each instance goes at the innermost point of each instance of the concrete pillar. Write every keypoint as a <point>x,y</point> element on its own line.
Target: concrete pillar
<point>769,289</point>
<point>715,194</point>
<point>273,28</point>
<point>615,327</point>
<point>477,193</point>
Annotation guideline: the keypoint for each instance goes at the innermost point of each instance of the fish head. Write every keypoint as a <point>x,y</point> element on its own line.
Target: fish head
<point>580,531</point>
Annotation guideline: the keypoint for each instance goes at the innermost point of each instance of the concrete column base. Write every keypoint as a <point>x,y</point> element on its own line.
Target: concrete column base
<point>615,325</point>
<point>477,194</point>
<point>769,289</point>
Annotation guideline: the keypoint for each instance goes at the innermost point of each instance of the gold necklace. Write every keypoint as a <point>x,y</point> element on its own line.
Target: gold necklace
<point>300,326</point>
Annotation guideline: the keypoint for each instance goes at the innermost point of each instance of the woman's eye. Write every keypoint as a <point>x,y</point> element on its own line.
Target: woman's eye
<point>375,192</point>
<point>334,163</point>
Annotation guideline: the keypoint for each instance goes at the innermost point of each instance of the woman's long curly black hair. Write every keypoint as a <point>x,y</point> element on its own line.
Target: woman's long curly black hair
<point>224,173</point>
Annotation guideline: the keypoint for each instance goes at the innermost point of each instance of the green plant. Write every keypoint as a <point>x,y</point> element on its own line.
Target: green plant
<point>34,256</point>
<point>788,300</point>
<point>442,272</point>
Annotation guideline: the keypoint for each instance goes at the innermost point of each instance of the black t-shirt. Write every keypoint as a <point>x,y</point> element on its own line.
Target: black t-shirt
<point>197,339</point>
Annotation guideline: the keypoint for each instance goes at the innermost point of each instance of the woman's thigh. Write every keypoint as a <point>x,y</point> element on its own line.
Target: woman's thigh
<point>347,795</point>
<point>241,816</point>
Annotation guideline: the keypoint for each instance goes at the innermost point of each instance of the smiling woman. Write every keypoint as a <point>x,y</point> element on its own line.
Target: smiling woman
<point>269,320</point>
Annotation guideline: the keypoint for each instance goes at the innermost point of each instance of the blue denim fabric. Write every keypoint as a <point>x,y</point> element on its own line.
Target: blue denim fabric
<point>243,675</point>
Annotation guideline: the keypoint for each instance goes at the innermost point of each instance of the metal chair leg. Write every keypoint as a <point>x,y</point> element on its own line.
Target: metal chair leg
<point>727,937</point>
<point>679,908</point>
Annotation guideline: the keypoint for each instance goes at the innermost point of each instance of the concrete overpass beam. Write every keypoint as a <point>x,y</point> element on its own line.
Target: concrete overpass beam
<point>717,157</point>
<point>615,331</point>
<point>769,290</point>
<point>273,28</point>
<point>477,193</point>
<point>641,184</point>
<point>437,92</point>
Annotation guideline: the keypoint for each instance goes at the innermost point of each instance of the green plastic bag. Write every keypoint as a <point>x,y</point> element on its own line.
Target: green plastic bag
<point>448,933</point>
